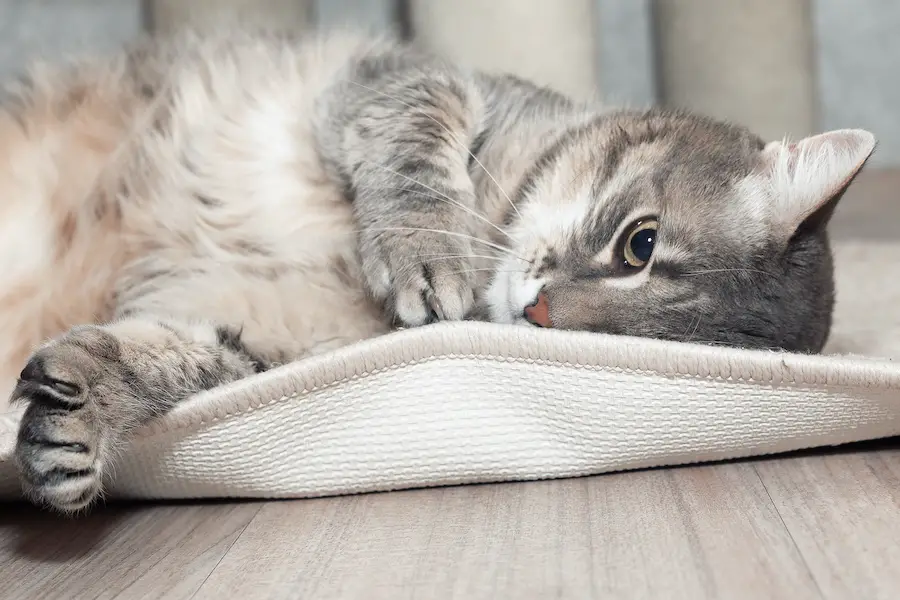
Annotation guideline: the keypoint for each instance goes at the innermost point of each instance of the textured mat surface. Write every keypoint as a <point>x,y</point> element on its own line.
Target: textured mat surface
<point>463,403</point>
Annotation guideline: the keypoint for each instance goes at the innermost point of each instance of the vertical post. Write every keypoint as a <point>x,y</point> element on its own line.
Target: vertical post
<point>48,30</point>
<point>745,60</point>
<point>625,47</point>
<point>165,15</point>
<point>549,42</point>
<point>857,51</point>
<point>375,16</point>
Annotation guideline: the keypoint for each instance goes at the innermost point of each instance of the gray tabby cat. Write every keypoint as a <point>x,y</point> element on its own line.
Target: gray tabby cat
<point>198,209</point>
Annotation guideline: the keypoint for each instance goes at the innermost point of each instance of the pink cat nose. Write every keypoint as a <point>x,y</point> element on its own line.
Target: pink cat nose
<point>539,312</point>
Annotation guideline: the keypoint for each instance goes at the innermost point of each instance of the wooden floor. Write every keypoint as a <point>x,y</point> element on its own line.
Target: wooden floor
<point>823,524</point>
<point>819,525</point>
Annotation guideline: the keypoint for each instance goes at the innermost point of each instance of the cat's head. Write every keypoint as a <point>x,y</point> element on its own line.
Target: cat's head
<point>678,227</point>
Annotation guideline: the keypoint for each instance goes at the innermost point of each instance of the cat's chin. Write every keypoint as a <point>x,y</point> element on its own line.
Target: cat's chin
<point>503,318</point>
<point>500,312</point>
<point>507,297</point>
<point>509,319</point>
<point>500,299</point>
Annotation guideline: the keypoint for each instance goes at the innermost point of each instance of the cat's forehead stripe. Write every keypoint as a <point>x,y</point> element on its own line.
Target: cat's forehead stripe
<point>560,152</point>
<point>605,227</point>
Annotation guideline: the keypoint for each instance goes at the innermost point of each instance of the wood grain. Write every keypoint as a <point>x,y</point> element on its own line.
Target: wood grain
<point>151,552</point>
<point>705,532</point>
<point>843,511</point>
<point>819,525</point>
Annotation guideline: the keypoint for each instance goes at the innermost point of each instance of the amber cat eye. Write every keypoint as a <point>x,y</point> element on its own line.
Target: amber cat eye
<point>639,242</point>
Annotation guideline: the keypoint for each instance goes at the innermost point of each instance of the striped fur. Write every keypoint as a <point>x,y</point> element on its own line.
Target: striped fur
<point>200,208</point>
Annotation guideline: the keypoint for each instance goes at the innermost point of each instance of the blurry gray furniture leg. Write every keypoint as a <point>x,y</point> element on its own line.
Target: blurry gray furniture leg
<point>166,15</point>
<point>47,30</point>
<point>626,52</point>
<point>858,60</point>
<point>374,16</point>
<point>748,61</point>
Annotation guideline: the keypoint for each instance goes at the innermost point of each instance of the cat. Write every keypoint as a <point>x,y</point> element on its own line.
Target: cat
<point>199,208</point>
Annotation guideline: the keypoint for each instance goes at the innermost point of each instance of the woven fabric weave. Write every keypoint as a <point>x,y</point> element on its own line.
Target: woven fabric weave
<point>465,403</point>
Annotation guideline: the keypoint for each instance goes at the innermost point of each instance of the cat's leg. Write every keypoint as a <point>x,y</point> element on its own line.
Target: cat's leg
<point>87,389</point>
<point>398,132</point>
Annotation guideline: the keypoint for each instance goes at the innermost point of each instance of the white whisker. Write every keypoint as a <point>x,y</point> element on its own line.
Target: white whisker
<point>454,234</point>
<point>479,270</point>
<point>710,271</point>
<point>450,133</point>
<point>439,196</point>
<point>439,257</point>
<point>696,327</point>
<point>449,256</point>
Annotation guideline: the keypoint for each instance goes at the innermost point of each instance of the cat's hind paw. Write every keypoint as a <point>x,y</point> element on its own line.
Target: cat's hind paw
<point>63,440</point>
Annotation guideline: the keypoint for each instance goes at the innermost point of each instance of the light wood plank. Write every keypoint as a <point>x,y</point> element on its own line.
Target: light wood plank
<point>706,532</point>
<point>843,511</point>
<point>123,553</point>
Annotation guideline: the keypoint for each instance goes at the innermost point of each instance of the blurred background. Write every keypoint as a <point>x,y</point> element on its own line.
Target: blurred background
<point>782,67</point>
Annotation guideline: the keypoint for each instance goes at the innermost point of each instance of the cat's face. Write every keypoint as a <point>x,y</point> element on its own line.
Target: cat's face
<point>676,227</point>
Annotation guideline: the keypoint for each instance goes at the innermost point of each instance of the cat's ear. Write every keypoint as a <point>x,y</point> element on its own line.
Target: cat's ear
<point>807,178</point>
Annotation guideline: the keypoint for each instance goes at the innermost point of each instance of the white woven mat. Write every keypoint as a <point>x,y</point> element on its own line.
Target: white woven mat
<point>477,402</point>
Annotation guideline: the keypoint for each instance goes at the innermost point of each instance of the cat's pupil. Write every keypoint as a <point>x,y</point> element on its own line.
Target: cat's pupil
<point>642,244</point>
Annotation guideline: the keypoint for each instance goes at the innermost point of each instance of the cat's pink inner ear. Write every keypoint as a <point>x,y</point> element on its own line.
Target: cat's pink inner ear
<point>806,174</point>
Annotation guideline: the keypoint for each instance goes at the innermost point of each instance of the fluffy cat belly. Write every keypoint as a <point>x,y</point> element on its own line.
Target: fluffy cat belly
<point>252,233</point>
<point>224,214</point>
<point>290,281</point>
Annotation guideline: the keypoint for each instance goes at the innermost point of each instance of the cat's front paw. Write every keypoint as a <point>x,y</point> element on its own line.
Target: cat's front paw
<point>65,435</point>
<point>424,276</point>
